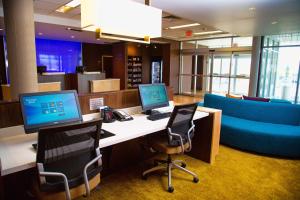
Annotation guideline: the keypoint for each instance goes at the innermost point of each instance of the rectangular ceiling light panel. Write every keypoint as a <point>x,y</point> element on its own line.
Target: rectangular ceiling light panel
<point>121,17</point>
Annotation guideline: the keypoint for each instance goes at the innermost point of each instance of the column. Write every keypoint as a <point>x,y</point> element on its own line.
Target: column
<point>255,59</point>
<point>20,37</point>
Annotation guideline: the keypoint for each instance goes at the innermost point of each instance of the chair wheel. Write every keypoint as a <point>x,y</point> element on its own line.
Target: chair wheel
<point>183,165</point>
<point>196,180</point>
<point>144,177</point>
<point>170,189</point>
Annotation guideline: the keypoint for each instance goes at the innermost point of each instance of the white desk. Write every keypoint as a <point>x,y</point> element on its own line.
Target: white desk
<point>17,154</point>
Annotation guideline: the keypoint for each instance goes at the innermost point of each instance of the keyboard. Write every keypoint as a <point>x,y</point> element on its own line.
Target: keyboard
<point>158,116</point>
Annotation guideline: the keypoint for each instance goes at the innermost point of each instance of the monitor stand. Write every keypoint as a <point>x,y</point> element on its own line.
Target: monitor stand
<point>151,112</point>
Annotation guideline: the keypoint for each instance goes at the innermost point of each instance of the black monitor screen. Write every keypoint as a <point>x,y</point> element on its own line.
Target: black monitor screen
<point>153,96</point>
<point>49,108</point>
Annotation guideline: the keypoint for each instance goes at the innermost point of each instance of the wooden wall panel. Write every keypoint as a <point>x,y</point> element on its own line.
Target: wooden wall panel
<point>174,65</point>
<point>166,63</point>
<point>117,99</point>
<point>10,114</point>
<point>92,56</point>
<point>119,52</point>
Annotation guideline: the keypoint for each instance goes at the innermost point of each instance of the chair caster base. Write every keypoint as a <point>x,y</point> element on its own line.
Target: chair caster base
<point>170,189</point>
<point>195,180</point>
<point>144,177</point>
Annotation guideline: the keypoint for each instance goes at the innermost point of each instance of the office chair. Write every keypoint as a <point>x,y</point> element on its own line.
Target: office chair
<point>68,160</point>
<point>180,131</point>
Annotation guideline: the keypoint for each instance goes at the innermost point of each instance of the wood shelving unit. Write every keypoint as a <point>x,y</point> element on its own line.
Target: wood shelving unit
<point>134,70</point>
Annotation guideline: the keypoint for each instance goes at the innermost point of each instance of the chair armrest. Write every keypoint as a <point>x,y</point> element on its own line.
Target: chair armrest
<point>176,135</point>
<point>85,177</point>
<point>57,174</point>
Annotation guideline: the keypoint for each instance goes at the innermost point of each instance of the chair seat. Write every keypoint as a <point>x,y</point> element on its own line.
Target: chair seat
<point>160,144</point>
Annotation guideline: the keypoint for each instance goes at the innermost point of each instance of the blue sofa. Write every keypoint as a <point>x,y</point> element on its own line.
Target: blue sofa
<point>263,127</point>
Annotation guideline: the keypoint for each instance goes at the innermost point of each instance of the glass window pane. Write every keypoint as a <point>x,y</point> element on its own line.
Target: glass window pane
<point>241,65</point>
<point>220,85</point>
<point>187,84</point>
<point>214,43</point>
<point>279,72</point>
<point>280,40</point>
<point>239,86</point>
<point>242,42</point>
<point>187,64</point>
<point>221,66</point>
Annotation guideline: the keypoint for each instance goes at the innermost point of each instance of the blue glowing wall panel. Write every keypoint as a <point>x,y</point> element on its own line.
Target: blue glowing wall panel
<point>58,56</point>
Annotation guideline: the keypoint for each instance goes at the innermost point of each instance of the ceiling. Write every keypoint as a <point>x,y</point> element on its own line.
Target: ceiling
<point>48,7</point>
<point>231,16</point>
<point>241,17</point>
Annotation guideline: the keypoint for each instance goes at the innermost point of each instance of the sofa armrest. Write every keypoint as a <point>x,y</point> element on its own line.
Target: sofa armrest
<point>208,110</point>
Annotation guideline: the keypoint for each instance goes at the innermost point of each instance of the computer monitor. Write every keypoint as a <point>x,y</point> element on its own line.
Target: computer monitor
<point>43,109</point>
<point>153,96</point>
<point>41,69</point>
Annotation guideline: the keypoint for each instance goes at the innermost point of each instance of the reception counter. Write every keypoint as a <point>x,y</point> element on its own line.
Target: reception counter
<point>42,87</point>
<point>53,77</point>
<point>83,81</point>
<point>104,85</point>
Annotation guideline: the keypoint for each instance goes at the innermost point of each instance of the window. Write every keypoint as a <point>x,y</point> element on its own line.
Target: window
<point>215,43</point>
<point>279,71</point>
<point>220,71</point>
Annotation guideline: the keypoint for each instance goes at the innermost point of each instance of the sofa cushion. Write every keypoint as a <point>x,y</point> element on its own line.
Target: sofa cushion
<point>266,138</point>
<point>276,113</point>
<point>280,101</point>
<point>260,127</point>
<point>233,96</point>
<point>256,99</point>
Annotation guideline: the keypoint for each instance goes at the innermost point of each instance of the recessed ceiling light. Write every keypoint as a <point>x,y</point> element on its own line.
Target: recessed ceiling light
<point>40,33</point>
<point>69,28</point>
<point>69,6</point>
<point>72,36</point>
<point>184,26</point>
<point>1,29</point>
<point>252,8</point>
<point>208,32</point>
<point>274,22</point>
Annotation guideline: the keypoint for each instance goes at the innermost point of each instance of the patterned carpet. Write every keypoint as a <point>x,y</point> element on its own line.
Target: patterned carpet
<point>235,175</point>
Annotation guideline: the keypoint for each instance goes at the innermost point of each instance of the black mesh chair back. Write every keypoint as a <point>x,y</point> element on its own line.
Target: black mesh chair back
<point>67,150</point>
<point>180,125</point>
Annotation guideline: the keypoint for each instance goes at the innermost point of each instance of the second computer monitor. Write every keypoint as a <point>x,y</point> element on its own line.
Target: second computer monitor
<point>153,96</point>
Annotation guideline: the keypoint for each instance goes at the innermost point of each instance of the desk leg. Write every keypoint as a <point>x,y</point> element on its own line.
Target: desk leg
<point>205,144</point>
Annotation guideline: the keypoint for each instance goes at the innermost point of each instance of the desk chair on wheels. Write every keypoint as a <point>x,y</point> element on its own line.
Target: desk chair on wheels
<point>68,160</point>
<point>180,131</point>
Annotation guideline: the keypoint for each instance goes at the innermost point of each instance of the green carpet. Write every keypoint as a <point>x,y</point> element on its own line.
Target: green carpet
<point>235,175</point>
